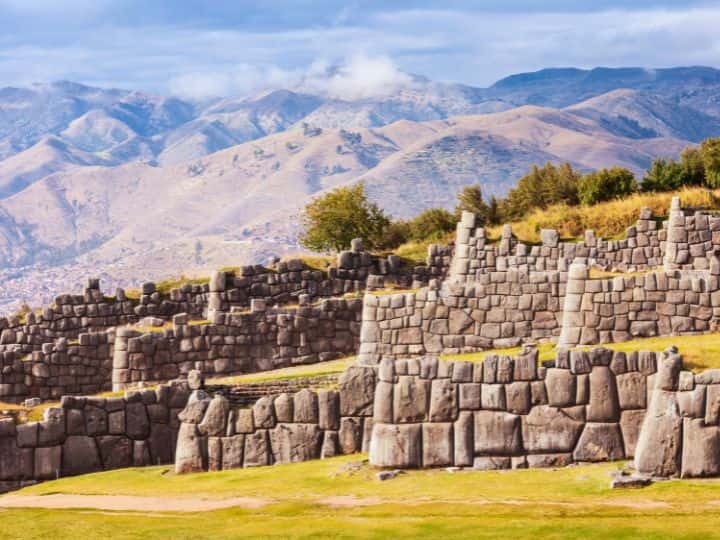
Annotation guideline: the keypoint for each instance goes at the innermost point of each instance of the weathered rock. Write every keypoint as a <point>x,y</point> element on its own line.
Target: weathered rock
<point>214,422</point>
<point>263,413</point>
<point>232,451</point>
<point>191,450</point>
<point>443,401</point>
<point>257,449</point>
<point>603,405</point>
<point>549,460</point>
<point>328,410</point>
<point>491,463</point>
<point>80,456</point>
<point>692,404</point>
<point>497,433</point>
<point>463,439</point>
<point>47,462</point>
<point>214,453</point>
<point>244,422</point>
<point>283,408</point>
<point>194,411</point>
<point>630,425</point>
<point>547,430</point>
<point>561,387</point>
<point>350,435</point>
<point>410,399</point>
<point>668,374</point>
<point>305,407</point>
<point>396,445</point>
<point>630,482</point>
<point>599,442</point>
<point>517,397</point>
<point>137,422</point>
<point>383,406</point>
<point>116,451</point>
<point>292,443</point>
<point>437,441</point>
<point>632,390</point>
<point>330,445</point>
<point>700,449</point>
<point>658,450</point>
<point>357,390</point>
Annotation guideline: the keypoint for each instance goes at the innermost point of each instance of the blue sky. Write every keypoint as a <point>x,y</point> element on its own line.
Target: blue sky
<point>199,48</point>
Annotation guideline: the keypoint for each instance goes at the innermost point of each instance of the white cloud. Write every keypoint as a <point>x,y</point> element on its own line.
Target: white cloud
<point>362,77</point>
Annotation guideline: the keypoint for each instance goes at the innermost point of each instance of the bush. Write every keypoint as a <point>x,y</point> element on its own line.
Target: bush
<point>664,175</point>
<point>710,154</point>
<point>332,220</point>
<point>606,184</point>
<point>470,199</point>
<point>541,187</point>
<point>431,224</point>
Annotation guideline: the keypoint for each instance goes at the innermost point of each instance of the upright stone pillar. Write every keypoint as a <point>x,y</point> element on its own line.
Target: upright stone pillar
<point>121,377</point>
<point>676,243</point>
<point>217,285</point>
<point>573,317</point>
<point>460,265</point>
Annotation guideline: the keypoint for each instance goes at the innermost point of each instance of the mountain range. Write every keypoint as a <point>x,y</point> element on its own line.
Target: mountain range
<point>140,186</point>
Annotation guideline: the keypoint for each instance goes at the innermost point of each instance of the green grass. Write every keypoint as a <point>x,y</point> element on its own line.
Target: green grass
<point>331,367</point>
<point>699,352</point>
<point>573,502</point>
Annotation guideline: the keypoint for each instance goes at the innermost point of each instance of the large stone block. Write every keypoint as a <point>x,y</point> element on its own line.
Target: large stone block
<point>463,439</point>
<point>600,442</point>
<point>214,422</point>
<point>492,397</point>
<point>115,451</point>
<point>632,390</point>
<point>191,450</point>
<point>561,387</point>
<point>630,425</point>
<point>137,421</point>
<point>700,449</point>
<point>658,450</point>
<point>80,455</point>
<point>47,462</point>
<point>603,405</point>
<point>437,441</point>
<point>292,443</point>
<point>283,408</point>
<point>443,401</point>
<point>357,390</point>
<point>692,403</point>
<point>548,430</point>
<point>497,433</point>
<point>305,407</point>
<point>396,445</point>
<point>517,397</point>
<point>410,399</point>
<point>264,413</point>
<point>350,435</point>
<point>257,449</point>
<point>383,406</point>
<point>328,410</point>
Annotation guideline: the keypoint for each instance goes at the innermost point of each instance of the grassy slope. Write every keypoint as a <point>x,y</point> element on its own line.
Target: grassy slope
<point>573,502</point>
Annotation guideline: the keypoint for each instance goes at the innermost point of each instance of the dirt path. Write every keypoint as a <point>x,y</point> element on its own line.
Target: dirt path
<point>128,502</point>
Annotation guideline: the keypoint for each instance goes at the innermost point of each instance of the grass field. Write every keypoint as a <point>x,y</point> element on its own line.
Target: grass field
<point>330,499</point>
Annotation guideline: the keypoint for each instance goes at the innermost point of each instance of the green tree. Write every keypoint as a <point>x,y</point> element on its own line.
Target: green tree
<point>332,220</point>
<point>663,175</point>
<point>541,187</point>
<point>470,199</point>
<point>494,212</point>
<point>693,167</point>
<point>710,153</point>
<point>396,233</point>
<point>606,184</point>
<point>431,224</point>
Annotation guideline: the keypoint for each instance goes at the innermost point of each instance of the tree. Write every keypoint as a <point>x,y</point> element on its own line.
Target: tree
<point>693,168</point>
<point>606,184</point>
<point>663,175</point>
<point>541,187</point>
<point>332,220</point>
<point>470,199</point>
<point>710,153</point>
<point>431,224</point>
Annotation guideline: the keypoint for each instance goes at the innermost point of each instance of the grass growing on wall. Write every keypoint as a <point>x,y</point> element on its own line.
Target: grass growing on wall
<point>331,367</point>
<point>341,498</point>
<point>699,352</point>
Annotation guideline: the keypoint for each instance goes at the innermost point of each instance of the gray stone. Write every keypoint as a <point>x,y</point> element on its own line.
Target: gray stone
<point>517,397</point>
<point>497,433</point>
<point>437,441</point>
<point>263,413</point>
<point>463,439</point>
<point>630,425</point>
<point>330,446</point>
<point>692,404</point>
<point>712,405</point>
<point>603,405</point>
<point>410,399</point>
<point>469,396</point>
<point>700,449</point>
<point>561,387</point>
<point>283,408</point>
<point>257,449</point>
<point>632,390</point>
<point>658,450</point>
<point>328,410</point>
<point>47,462</point>
<point>191,451</point>
<point>396,446</point>
<point>548,430</point>
<point>244,422</point>
<point>136,421</point>
<point>115,451</point>
<point>491,463</point>
<point>600,442</point>
<point>630,482</point>
<point>357,390</point>
<point>305,407</point>
<point>549,460</point>
<point>80,456</point>
<point>443,401</point>
<point>293,443</point>
<point>383,406</point>
<point>492,397</point>
<point>350,435</point>
<point>215,419</point>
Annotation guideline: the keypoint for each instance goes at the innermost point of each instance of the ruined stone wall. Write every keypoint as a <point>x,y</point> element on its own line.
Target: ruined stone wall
<point>286,428</point>
<point>473,256</point>
<point>64,367</point>
<point>89,434</point>
<point>625,307</point>
<point>500,309</point>
<point>692,236</point>
<point>235,343</point>
<point>508,412</point>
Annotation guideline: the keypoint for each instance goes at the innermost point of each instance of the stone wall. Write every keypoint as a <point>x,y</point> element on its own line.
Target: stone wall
<point>625,307</point>
<point>89,434</point>
<point>286,428</point>
<point>474,255</point>
<point>508,412</point>
<point>499,309</point>
<point>681,435</point>
<point>235,343</point>
<point>691,238</point>
<point>64,367</point>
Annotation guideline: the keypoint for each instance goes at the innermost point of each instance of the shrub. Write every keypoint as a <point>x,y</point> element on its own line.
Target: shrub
<point>432,223</point>
<point>332,220</point>
<point>606,184</point>
<point>710,154</point>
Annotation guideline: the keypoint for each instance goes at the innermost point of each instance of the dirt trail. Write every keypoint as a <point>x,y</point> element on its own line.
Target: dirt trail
<point>128,502</point>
